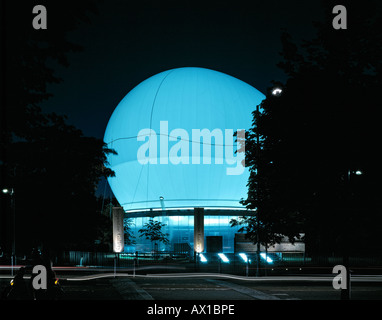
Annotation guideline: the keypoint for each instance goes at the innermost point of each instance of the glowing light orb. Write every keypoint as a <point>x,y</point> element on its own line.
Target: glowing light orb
<point>153,129</point>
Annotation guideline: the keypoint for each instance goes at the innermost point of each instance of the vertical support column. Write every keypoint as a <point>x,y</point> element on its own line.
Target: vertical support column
<point>198,230</point>
<point>118,232</point>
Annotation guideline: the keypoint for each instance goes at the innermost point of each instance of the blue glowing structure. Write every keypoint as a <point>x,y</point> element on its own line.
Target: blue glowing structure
<point>180,227</point>
<point>154,124</point>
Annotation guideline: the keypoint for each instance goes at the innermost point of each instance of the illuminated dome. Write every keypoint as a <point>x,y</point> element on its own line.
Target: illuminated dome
<point>156,130</point>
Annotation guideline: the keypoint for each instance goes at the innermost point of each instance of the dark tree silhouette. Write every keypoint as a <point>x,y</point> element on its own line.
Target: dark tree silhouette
<point>52,166</point>
<point>152,231</point>
<point>318,133</point>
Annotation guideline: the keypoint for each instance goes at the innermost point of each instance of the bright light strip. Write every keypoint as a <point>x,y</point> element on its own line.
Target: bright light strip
<point>202,258</point>
<point>223,257</point>
<point>269,260</point>
<point>243,256</point>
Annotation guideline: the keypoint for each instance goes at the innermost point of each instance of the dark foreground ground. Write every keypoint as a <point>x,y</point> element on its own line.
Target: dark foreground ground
<point>204,289</point>
<point>216,288</point>
<point>209,298</point>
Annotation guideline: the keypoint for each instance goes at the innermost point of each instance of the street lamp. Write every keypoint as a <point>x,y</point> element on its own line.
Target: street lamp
<point>11,192</point>
<point>8,191</point>
<point>277,91</point>
<point>345,293</point>
<point>356,172</point>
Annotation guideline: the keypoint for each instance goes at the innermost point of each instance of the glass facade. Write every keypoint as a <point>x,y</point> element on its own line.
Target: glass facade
<point>181,232</point>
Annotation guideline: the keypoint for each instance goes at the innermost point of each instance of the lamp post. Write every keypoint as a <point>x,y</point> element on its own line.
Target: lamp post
<point>276,91</point>
<point>346,293</point>
<point>258,194</point>
<point>11,192</point>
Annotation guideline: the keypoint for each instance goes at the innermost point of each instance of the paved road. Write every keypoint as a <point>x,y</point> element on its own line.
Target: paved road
<point>284,288</point>
<point>210,287</point>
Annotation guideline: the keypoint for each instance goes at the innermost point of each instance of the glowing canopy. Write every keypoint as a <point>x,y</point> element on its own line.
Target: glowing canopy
<point>163,151</point>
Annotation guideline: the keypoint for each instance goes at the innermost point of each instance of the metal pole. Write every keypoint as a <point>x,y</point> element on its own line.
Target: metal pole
<point>345,293</point>
<point>257,250</point>
<point>13,208</point>
<point>115,265</point>
<point>258,192</point>
<point>197,260</point>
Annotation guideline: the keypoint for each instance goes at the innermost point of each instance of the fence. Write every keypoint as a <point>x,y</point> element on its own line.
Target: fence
<point>107,259</point>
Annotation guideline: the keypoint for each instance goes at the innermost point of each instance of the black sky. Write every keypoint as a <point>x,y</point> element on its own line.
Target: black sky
<point>127,43</point>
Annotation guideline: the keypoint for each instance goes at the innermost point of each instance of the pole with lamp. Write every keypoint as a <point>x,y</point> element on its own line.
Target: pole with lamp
<point>346,293</point>
<point>11,192</point>
<point>276,91</point>
<point>258,192</point>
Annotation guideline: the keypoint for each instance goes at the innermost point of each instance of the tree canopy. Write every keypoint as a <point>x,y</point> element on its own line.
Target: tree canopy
<point>152,230</point>
<point>53,168</point>
<point>318,133</point>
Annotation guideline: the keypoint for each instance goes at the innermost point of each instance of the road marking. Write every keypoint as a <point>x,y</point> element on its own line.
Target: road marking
<point>247,291</point>
<point>127,288</point>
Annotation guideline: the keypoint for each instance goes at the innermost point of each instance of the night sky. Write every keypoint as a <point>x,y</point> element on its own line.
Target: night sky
<point>127,43</point>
